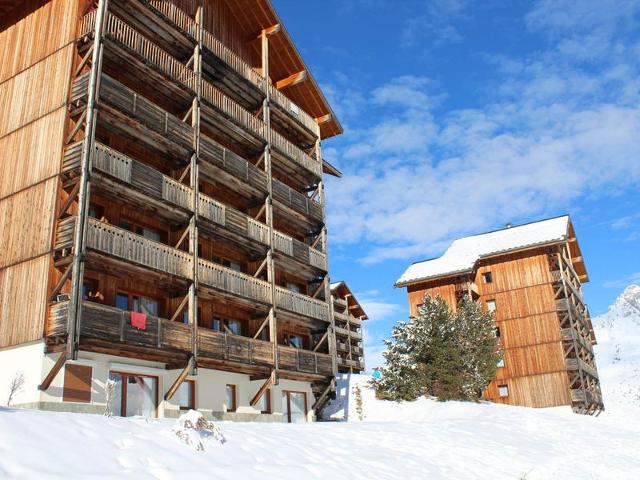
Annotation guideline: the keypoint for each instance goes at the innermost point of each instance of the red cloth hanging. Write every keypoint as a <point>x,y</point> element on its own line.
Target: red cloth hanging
<point>139,320</point>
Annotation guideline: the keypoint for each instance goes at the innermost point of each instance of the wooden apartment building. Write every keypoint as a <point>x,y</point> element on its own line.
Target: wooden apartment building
<point>530,277</point>
<point>348,316</point>
<point>162,210</point>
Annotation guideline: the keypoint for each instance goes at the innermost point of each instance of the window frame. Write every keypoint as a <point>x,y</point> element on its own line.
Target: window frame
<point>269,403</point>
<point>130,298</point>
<point>500,391</point>
<point>192,393</point>
<point>234,396</point>
<point>487,277</point>
<point>491,301</point>
<point>287,394</point>
<point>123,394</point>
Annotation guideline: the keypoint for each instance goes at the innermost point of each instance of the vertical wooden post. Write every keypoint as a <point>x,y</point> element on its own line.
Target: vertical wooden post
<point>75,303</point>
<point>271,273</point>
<point>333,350</point>
<point>195,190</point>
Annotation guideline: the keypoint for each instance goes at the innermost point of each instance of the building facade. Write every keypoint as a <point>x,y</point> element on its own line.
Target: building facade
<point>162,210</point>
<point>530,277</point>
<point>348,316</point>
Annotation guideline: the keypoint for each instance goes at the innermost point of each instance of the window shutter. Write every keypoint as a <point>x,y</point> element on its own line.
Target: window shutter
<point>77,383</point>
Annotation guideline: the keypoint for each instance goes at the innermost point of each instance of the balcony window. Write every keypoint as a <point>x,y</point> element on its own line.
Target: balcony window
<point>216,325</point>
<point>144,231</point>
<point>96,211</point>
<point>231,398</point>
<point>122,301</point>
<point>293,287</point>
<point>232,265</point>
<point>500,363</point>
<point>134,395</point>
<point>294,340</point>
<point>487,277</point>
<point>233,326</point>
<point>90,291</point>
<point>137,303</point>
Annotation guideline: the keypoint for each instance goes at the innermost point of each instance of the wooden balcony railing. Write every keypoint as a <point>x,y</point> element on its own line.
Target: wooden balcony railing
<point>299,250</point>
<point>119,31</point>
<point>296,201</point>
<point>304,361</point>
<point>293,110</point>
<point>236,283</point>
<point>110,324</point>
<point>302,304</point>
<point>134,248</point>
<point>296,154</point>
<point>579,364</point>
<point>233,111</point>
<point>178,17</point>
<point>234,348</point>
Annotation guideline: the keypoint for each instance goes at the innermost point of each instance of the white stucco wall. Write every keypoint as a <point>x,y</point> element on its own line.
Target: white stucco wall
<point>210,384</point>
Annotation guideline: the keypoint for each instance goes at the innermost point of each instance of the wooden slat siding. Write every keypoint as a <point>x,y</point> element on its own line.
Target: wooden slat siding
<point>233,110</point>
<point>37,35</point>
<point>31,153</point>
<point>35,92</point>
<point>532,360</point>
<point>128,246</point>
<point>297,201</point>
<point>23,234</point>
<point>295,154</point>
<point>232,163</point>
<point>23,290</point>
<point>302,304</point>
<point>230,281</point>
<point>544,390</point>
<point>293,110</point>
<point>529,330</point>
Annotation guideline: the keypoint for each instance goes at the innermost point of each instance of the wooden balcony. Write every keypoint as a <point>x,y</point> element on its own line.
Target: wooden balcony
<point>344,317</point>
<point>297,201</point>
<point>302,304</point>
<point>579,364</point>
<point>108,326</point>
<point>570,335</point>
<point>300,251</point>
<point>581,395</point>
<point>344,332</point>
<point>345,362</point>
<point>291,111</point>
<point>340,302</point>
<point>234,283</point>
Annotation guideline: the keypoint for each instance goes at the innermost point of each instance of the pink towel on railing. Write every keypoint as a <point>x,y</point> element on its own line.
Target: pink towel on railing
<point>139,320</point>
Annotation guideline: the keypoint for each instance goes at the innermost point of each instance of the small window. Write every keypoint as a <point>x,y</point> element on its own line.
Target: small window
<point>497,332</point>
<point>294,341</point>
<point>216,324</point>
<point>96,211</point>
<point>145,305</point>
<point>231,398</point>
<point>503,390</point>
<point>491,305</point>
<point>186,395</point>
<point>77,383</point>
<point>233,326</point>
<point>264,404</point>
<point>500,363</point>
<point>232,265</point>
<point>122,301</point>
<point>487,277</point>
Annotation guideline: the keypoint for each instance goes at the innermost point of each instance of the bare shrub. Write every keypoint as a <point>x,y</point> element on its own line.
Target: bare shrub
<point>16,386</point>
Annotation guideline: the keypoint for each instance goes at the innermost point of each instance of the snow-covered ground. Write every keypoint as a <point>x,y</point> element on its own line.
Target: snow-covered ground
<point>416,440</point>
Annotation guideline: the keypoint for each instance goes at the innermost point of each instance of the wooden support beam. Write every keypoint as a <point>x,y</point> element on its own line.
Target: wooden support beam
<point>186,115</point>
<point>46,383</point>
<point>261,211</point>
<point>260,268</point>
<point>322,340</point>
<point>83,62</point>
<point>262,325</point>
<point>67,203</point>
<point>184,173</point>
<point>265,386</point>
<point>292,80</point>
<point>227,329</point>
<point>77,127</point>
<point>183,304</point>
<point>324,119</point>
<point>178,381</point>
<point>272,30</point>
<point>319,289</point>
<point>183,237</point>
<point>58,286</point>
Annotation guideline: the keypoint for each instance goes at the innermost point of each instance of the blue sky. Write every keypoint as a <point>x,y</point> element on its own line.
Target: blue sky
<point>461,116</point>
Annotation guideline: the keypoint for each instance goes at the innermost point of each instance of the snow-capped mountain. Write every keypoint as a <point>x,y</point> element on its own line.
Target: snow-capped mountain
<point>618,350</point>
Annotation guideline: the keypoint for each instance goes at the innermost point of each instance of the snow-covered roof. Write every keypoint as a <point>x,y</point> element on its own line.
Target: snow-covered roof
<point>462,254</point>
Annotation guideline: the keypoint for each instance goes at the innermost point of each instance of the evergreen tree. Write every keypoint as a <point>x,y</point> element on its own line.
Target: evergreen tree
<point>440,353</point>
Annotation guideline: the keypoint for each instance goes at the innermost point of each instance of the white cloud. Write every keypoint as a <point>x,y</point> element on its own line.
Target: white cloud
<point>633,278</point>
<point>555,132</point>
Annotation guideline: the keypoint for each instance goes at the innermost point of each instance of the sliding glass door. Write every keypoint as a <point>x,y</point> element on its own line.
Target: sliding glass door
<point>294,407</point>
<point>134,395</point>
